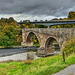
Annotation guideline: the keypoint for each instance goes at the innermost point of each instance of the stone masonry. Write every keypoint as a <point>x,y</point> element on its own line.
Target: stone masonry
<point>61,35</point>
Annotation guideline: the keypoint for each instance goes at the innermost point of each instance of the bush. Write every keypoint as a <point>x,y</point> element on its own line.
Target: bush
<point>69,47</point>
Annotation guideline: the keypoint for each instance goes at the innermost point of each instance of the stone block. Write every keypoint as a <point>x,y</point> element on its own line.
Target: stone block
<point>41,51</point>
<point>30,55</point>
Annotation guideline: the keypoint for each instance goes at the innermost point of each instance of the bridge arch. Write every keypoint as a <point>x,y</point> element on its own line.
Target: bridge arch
<point>29,38</point>
<point>52,44</point>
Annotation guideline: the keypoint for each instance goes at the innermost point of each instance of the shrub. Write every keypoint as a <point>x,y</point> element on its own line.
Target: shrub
<point>69,47</point>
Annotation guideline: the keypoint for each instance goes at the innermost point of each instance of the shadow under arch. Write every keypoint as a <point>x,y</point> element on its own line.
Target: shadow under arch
<point>52,45</point>
<point>32,39</point>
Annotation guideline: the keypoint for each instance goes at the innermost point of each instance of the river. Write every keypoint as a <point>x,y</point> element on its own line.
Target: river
<point>15,53</point>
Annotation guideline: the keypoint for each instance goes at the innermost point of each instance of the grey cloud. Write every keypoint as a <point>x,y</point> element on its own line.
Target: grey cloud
<point>36,7</point>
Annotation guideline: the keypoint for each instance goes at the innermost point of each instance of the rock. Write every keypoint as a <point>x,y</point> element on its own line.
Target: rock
<point>30,55</point>
<point>41,52</point>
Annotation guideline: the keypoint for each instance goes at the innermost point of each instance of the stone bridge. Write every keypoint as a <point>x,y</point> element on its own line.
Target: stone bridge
<point>51,40</point>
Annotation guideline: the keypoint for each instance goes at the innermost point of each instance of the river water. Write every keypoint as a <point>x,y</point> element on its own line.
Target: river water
<point>15,53</point>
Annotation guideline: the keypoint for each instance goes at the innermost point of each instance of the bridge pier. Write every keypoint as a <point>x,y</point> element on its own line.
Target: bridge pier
<point>54,49</point>
<point>41,52</point>
<point>26,44</point>
<point>23,44</point>
<point>48,26</point>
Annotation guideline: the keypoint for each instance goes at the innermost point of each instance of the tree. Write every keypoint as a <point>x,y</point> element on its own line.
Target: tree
<point>71,15</point>
<point>8,31</point>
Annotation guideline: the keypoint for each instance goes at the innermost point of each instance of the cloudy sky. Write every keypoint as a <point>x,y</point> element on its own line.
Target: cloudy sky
<point>35,9</point>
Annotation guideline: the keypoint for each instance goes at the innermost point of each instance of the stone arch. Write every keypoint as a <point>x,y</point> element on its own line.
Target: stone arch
<point>52,45</point>
<point>30,37</point>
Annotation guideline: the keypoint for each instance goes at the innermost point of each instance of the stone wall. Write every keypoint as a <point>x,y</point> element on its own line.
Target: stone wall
<point>60,34</point>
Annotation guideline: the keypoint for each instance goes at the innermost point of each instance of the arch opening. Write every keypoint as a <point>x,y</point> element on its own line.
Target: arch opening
<point>32,40</point>
<point>52,45</point>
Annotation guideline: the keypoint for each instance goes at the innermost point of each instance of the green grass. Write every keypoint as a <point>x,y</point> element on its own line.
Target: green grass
<point>36,44</point>
<point>1,46</point>
<point>41,66</point>
<point>10,46</point>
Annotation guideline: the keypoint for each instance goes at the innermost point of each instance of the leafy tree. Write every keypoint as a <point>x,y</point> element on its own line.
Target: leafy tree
<point>8,31</point>
<point>69,47</point>
<point>71,15</point>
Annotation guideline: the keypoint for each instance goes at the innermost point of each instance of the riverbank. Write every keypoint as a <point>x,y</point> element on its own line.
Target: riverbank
<point>9,46</point>
<point>16,57</point>
<point>41,66</point>
<point>3,47</point>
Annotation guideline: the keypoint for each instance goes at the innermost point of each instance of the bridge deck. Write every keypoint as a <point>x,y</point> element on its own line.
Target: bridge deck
<point>53,22</point>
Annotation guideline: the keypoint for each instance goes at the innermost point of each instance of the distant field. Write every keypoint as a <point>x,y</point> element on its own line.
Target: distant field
<point>41,66</point>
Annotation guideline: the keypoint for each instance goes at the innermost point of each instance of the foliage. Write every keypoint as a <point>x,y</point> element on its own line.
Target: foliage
<point>69,48</point>
<point>8,31</point>
<point>35,40</point>
<point>71,15</point>
<point>41,66</point>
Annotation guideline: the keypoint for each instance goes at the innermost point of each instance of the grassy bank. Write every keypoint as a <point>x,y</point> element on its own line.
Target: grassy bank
<point>41,66</point>
<point>10,46</point>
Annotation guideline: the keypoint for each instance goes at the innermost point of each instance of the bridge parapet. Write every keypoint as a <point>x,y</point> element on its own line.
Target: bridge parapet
<point>52,31</point>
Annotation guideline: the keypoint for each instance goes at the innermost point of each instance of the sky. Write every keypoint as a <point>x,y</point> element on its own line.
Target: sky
<point>36,9</point>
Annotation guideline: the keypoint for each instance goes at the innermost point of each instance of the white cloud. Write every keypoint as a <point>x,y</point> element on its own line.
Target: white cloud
<point>19,17</point>
<point>36,7</point>
<point>71,9</point>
